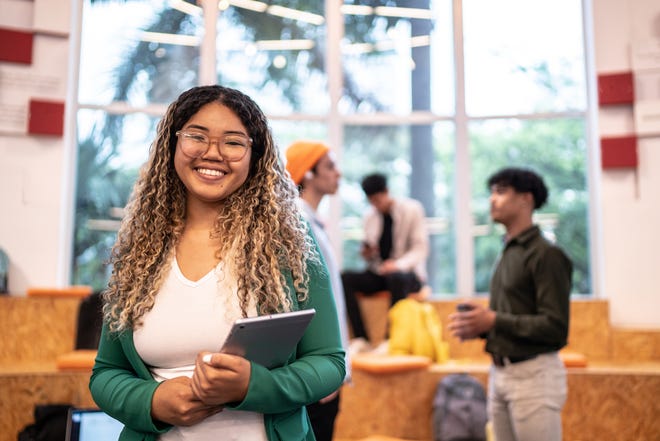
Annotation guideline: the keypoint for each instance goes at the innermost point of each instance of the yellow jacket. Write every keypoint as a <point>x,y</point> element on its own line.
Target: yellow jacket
<point>415,329</point>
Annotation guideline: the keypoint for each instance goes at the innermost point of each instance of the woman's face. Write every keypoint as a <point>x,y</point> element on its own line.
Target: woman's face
<point>210,178</point>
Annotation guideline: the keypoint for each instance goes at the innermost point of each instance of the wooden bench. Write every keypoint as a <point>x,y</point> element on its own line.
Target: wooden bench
<point>613,398</point>
<point>606,402</point>
<point>36,331</point>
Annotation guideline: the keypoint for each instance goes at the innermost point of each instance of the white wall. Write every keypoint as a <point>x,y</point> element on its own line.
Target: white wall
<point>630,198</point>
<point>34,175</point>
<point>32,167</point>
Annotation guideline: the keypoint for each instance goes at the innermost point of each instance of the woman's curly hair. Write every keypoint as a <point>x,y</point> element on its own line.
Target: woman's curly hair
<point>263,231</point>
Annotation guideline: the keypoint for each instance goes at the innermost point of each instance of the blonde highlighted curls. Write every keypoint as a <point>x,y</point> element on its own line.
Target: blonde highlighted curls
<point>259,223</point>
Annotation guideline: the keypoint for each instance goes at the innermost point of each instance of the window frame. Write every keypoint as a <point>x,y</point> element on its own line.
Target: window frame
<point>336,121</point>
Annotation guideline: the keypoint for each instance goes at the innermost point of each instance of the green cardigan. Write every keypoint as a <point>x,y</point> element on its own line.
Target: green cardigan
<point>122,386</point>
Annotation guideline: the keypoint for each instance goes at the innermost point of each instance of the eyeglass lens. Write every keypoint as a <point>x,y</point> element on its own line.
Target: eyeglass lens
<point>232,146</point>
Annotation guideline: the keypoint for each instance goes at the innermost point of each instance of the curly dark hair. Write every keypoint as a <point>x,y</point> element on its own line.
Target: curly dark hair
<point>522,181</point>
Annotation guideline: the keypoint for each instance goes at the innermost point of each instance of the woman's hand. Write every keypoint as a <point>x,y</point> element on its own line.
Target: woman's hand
<point>175,403</point>
<point>220,378</point>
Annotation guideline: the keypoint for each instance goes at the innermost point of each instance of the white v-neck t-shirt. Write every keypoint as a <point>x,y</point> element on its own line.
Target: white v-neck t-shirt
<point>189,317</point>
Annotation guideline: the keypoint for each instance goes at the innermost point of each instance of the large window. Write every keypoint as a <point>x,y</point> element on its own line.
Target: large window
<point>437,94</point>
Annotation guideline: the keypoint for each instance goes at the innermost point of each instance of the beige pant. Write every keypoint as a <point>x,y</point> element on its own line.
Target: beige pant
<point>525,399</point>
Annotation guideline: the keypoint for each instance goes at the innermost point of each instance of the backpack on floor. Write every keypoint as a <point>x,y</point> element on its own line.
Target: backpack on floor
<point>49,423</point>
<point>459,409</point>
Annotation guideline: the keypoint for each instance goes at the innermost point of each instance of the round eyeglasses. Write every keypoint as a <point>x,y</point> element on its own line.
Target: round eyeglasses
<point>232,146</point>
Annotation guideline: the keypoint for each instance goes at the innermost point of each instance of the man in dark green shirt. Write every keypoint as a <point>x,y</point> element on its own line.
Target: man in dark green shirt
<point>526,322</point>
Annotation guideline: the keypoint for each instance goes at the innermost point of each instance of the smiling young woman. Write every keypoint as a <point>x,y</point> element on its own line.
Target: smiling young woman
<point>196,250</point>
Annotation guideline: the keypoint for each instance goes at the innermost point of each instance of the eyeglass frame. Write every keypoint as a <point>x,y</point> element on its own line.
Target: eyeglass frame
<point>210,140</point>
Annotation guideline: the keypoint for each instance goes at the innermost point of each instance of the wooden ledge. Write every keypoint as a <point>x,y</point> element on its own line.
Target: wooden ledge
<point>76,291</point>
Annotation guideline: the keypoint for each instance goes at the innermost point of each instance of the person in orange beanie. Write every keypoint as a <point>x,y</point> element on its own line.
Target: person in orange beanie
<point>312,167</point>
<point>301,158</point>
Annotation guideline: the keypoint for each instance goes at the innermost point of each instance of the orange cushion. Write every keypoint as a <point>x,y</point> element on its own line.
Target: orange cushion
<point>572,358</point>
<point>384,364</point>
<point>381,438</point>
<point>78,360</point>
<point>69,291</point>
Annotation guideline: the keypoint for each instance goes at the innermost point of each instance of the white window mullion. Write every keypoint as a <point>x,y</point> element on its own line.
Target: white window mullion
<point>593,155</point>
<point>463,189</point>
<point>207,52</point>
<point>334,35</point>
<point>67,215</point>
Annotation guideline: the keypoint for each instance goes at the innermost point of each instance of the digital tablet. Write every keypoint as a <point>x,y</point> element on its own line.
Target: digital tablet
<point>268,339</point>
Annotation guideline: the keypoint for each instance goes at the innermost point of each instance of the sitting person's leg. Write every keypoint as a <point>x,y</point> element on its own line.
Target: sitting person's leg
<point>365,282</point>
<point>401,284</point>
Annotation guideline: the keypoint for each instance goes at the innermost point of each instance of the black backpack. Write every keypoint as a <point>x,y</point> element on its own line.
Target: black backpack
<point>459,409</point>
<point>49,423</point>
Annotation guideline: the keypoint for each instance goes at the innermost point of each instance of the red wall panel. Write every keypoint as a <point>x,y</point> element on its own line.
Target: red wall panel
<point>46,118</point>
<point>616,88</point>
<point>16,46</point>
<point>619,152</point>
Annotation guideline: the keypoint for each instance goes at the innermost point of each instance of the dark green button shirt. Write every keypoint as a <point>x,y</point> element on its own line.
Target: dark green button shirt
<point>530,291</point>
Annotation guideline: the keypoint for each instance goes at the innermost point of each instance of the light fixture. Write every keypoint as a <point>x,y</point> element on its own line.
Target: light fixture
<point>252,5</point>
<point>295,14</point>
<point>356,10</point>
<point>387,11</point>
<point>383,45</point>
<point>185,7</point>
<point>420,41</point>
<point>284,45</point>
<point>357,48</point>
<point>279,61</point>
<point>279,11</point>
<point>159,37</point>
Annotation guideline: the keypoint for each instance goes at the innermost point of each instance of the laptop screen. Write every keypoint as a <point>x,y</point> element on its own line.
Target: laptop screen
<point>92,425</point>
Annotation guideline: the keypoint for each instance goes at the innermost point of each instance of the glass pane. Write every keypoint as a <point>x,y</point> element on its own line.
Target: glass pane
<point>276,55</point>
<point>138,51</point>
<point>556,149</point>
<point>398,64</point>
<point>111,149</point>
<point>286,132</point>
<point>530,60</point>
<point>418,161</point>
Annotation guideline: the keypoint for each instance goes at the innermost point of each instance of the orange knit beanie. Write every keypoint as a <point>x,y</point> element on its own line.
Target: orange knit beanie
<point>302,156</point>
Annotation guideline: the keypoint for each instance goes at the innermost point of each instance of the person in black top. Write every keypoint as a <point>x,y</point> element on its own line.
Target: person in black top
<point>527,320</point>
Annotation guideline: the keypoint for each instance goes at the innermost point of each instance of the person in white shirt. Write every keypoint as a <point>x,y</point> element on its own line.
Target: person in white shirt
<point>314,170</point>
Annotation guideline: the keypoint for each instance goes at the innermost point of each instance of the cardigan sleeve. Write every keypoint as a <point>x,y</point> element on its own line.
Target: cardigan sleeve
<point>123,389</point>
<point>318,367</point>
